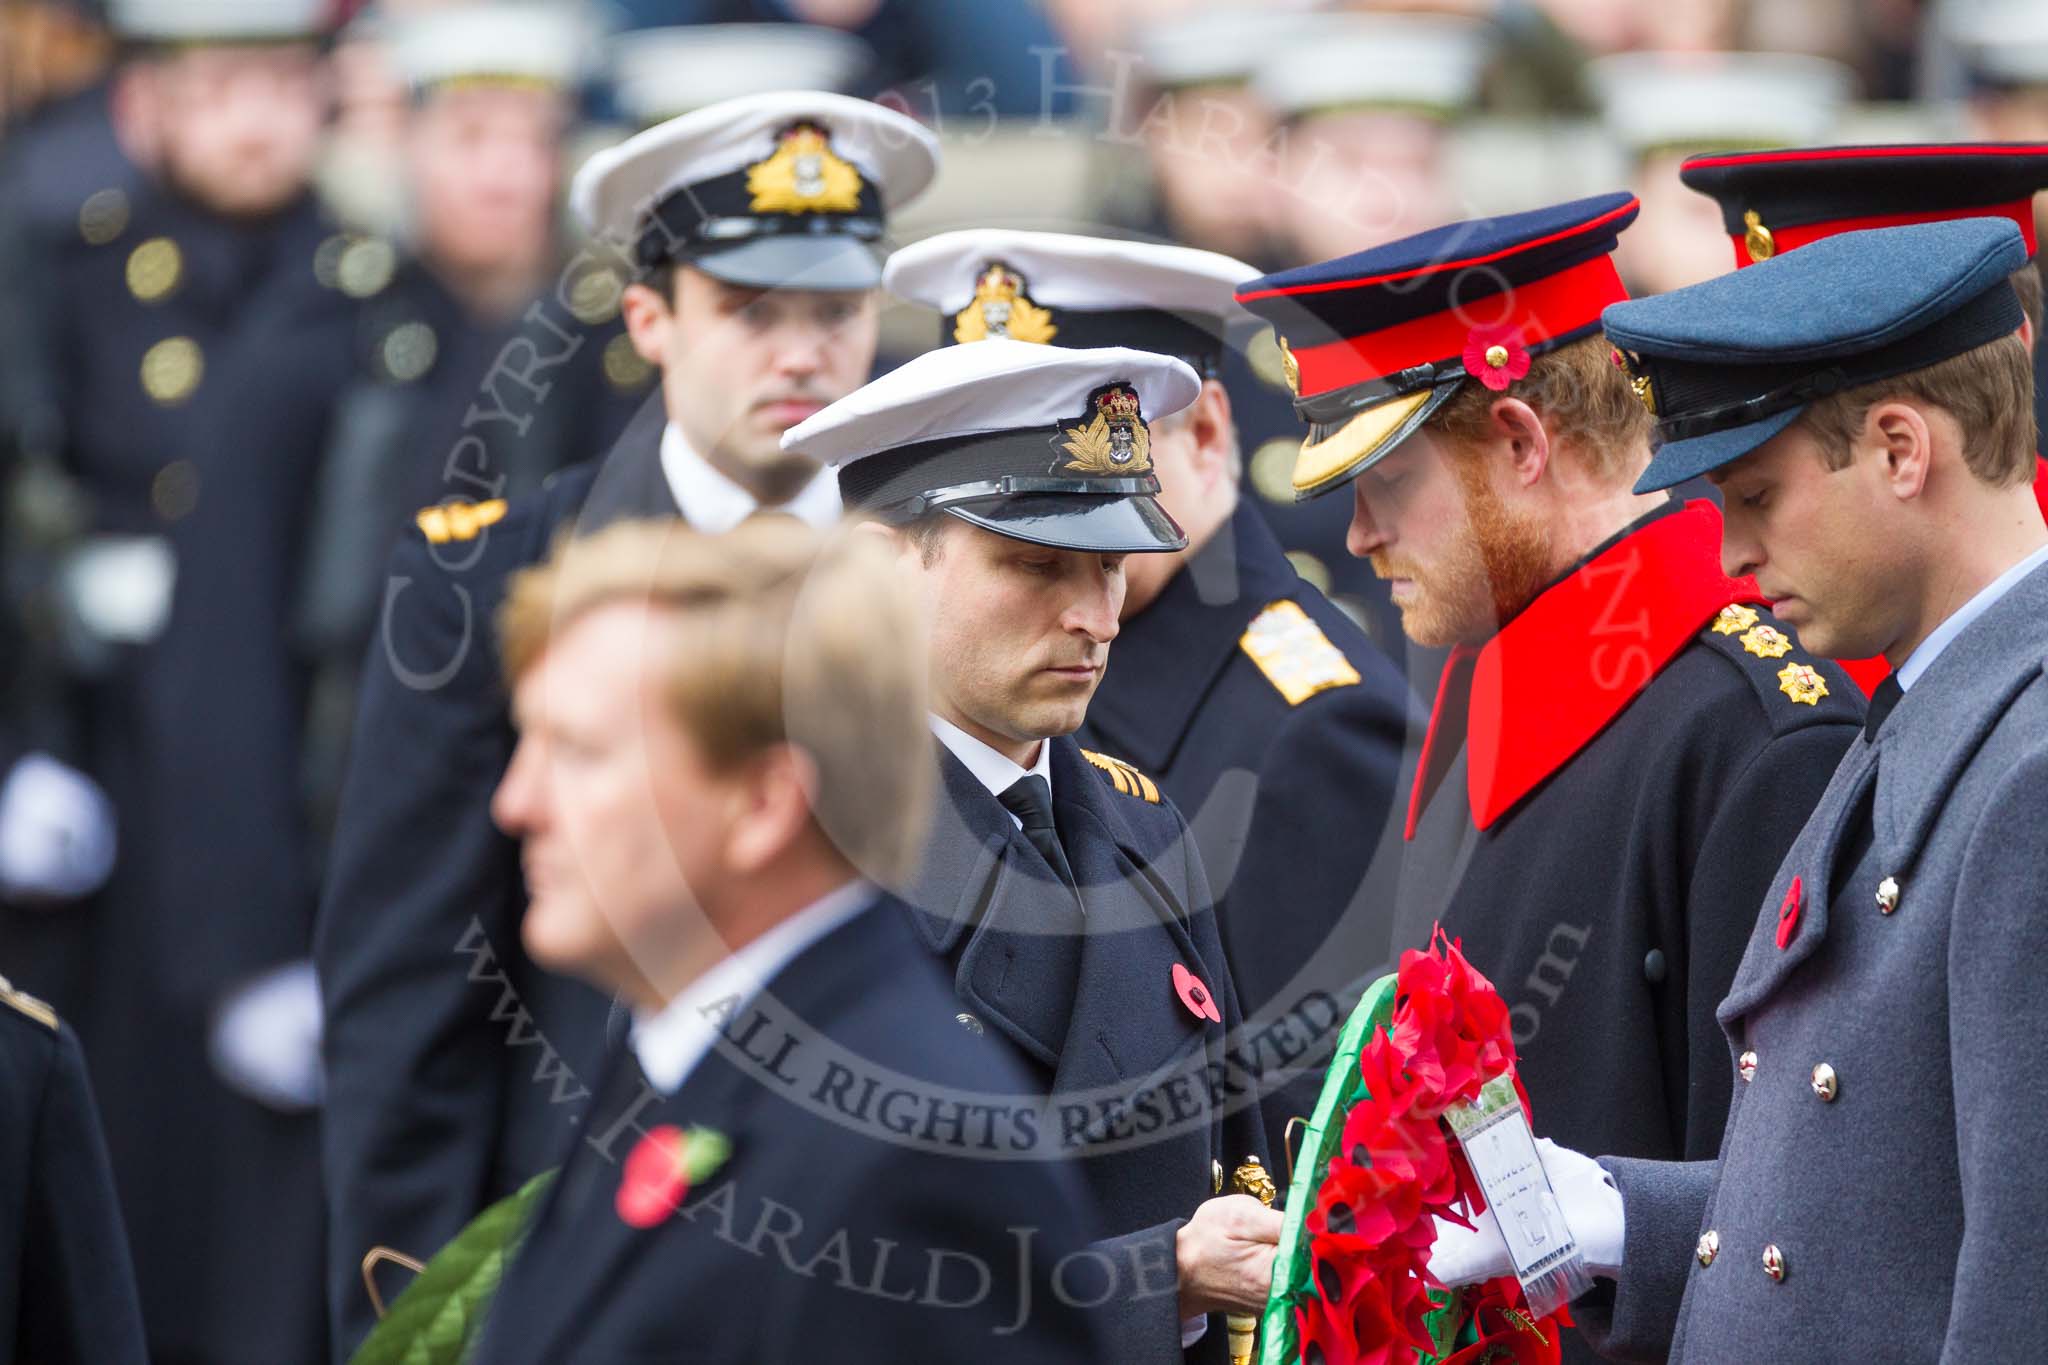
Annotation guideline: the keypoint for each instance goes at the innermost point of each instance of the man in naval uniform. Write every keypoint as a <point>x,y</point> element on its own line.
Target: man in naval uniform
<point>1061,890</point>
<point>219,105</point>
<point>469,357</point>
<point>1259,708</point>
<point>455,1068</point>
<point>1623,741</point>
<point>1873,1195</point>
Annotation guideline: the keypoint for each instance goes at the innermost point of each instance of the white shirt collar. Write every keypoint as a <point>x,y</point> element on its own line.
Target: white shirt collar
<point>1922,658</point>
<point>714,504</point>
<point>671,1043</point>
<point>993,770</point>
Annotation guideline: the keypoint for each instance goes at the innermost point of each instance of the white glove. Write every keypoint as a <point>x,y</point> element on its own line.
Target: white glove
<point>56,832</point>
<point>266,1038</point>
<point>1585,1196</point>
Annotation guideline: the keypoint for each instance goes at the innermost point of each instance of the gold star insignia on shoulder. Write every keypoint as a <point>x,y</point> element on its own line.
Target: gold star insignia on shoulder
<point>459,520</point>
<point>1002,308</point>
<point>1767,642</point>
<point>1113,441</point>
<point>1802,683</point>
<point>1124,777</point>
<point>1734,618</point>
<point>1294,654</point>
<point>27,1004</point>
<point>804,176</point>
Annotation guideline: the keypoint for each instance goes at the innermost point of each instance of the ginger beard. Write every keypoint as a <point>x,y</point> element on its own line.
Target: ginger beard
<point>1482,572</point>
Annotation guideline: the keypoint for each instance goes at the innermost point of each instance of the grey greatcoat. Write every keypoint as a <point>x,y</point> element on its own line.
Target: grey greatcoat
<point>1878,1194</point>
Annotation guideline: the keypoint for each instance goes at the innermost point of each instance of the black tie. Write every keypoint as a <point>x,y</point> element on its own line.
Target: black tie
<point>1029,798</point>
<point>1881,703</point>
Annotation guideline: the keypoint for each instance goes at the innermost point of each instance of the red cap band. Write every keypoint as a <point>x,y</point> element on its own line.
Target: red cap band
<point>2020,211</point>
<point>1551,307</point>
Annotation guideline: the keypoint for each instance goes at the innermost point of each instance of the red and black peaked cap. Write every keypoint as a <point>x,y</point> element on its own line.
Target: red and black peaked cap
<point>1376,341</point>
<point>1785,198</point>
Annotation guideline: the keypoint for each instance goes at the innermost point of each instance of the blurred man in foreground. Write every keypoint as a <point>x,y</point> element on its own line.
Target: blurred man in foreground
<point>710,855</point>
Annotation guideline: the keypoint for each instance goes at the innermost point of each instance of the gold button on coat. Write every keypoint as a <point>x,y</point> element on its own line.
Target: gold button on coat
<point>1745,1066</point>
<point>1709,1247</point>
<point>1888,895</point>
<point>1774,1262</point>
<point>968,1022</point>
<point>1825,1083</point>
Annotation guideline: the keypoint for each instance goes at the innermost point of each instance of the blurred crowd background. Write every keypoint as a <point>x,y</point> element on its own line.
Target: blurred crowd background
<point>276,274</point>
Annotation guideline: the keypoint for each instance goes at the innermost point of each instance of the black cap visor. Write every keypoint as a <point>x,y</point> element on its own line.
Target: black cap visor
<point>821,261</point>
<point>1094,523</point>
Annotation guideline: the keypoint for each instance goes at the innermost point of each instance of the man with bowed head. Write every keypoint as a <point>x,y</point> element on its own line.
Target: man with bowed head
<point>1864,405</point>
<point>1061,891</point>
<point>1623,740</point>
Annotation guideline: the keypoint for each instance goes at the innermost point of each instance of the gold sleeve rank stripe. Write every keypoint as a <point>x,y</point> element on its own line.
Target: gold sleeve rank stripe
<point>1126,779</point>
<point>459,520</point>
<point>27,1004</point>
<point>1294,654</point>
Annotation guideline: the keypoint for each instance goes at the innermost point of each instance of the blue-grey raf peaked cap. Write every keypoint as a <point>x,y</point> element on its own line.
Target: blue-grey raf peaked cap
<point>1727,364</point>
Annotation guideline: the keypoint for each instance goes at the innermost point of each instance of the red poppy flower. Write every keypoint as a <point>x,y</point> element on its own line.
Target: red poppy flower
<point>655,1179</point>
<point>1495,356</point>
<point>1451,1026</point>
<point>662,1167</point>
<point>1397,1169</point>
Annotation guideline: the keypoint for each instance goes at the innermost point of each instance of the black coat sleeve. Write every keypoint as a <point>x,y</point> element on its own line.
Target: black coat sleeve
<point>1324,797</point>
<point>69,1288</point>
<point>420,881</point>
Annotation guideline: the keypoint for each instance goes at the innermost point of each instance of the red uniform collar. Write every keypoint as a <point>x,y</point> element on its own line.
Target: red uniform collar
<point>1574,659</point>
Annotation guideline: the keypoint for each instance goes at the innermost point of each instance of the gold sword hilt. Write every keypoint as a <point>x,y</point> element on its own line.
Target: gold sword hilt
<point>1253,1179</point>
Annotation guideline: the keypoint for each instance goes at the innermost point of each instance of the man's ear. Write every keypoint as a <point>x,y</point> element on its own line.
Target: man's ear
<point>1215,431</point>
<point>772,806</point>
<point>1903,436</point>
<point>2027,332</point>
<point>1520,432</point>
<point>649,321</point>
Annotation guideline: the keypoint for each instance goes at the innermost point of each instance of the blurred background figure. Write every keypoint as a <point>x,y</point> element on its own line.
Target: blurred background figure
<point>1605,26</point>
<point>2003,47</point>
<point>940,58</point>
<point>1661,107</point>
<point>51,51</point>
<point>1365,101</point>
<point>216,108</point>
<point>1208,138</point>
<point>466,356</point>
<point>660,73</point>
<point>268,290</point>
<point>1363,106</point>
